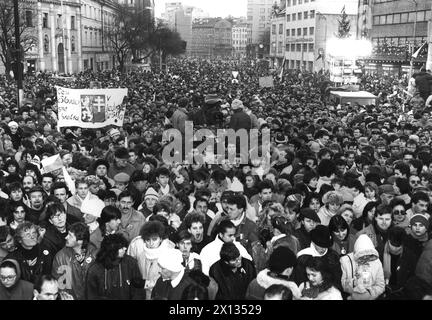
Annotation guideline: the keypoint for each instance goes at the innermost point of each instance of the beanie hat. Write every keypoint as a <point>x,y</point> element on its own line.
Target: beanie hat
<point>310,214</point>
<point>13,124</point>
<point>421,219</point>
<point>93,207</point>
<point>280,259</point>
<point>151,193</point>
<point>321,236</point>
<point>236,186</point>
<point>171,259</point>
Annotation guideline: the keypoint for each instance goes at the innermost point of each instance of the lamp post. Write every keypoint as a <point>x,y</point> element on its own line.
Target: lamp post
<point>414,35</point>
<point>18,55</point>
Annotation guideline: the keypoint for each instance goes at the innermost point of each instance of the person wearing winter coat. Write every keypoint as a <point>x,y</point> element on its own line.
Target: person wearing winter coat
<point>147,248</point>
<point>173,280</point>
<point>239,120</point>
<point>321,243</point>
<point>232,273</point>
<point>320,284</point>
<point>33,258</point>
<point>362,271</point>
<point>178,116</point>
<point>72,262</point>
<point>378,230</point>
<point>12,287</point>
<point>114,275</point>
<point>308,221</point>
<point>281,264</point>
<point>332,201</point>
<point>343,241</point>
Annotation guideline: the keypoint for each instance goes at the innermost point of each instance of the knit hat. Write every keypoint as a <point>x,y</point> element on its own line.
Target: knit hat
<point>122,177</point>
<point>281,139</point>
<point>236,186</point>
<point>171,259</point>
<point>93,207</point>
<point>310,214</point>
<point>421,219</point>
<point>237,104</point>
<point>13,124</point>
<point>321,236</point>
<point>281,259</point>
<point>151,193</point>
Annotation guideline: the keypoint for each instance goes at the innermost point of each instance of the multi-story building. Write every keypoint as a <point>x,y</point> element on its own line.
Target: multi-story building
<point>258,16</point>
<point>309,25</point>
<point>223,38</point>
<point>277,35</point>
<point>179,19</point>
<point>429,56</point>
<point>241,38</point>
<point>399,28</point>
<point>203,37</point>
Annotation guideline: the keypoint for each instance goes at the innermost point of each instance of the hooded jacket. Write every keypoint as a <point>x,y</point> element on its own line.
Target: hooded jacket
<point>363,281</point>
<point>71,275</point>
<point>21,290</point>
<point>263,280</point>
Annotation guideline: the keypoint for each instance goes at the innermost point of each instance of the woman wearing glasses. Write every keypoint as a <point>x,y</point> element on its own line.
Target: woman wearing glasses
<point>399,214</point>
<point>12,287</point>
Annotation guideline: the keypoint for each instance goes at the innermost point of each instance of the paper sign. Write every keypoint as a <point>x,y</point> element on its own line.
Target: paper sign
<point>235,74</point>
<point>52,163</point>
<point>266,82</point>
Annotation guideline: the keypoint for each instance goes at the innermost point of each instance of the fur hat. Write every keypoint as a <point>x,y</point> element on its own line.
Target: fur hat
<point>101,162</point>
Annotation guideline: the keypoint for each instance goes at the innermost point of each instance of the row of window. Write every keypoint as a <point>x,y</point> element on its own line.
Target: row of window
<point>293,47</point>
<point>301,15</point>
<point>404,17</point>
<point>397,41</point>
<point>59,21</point>
<point>296,2</point>
<point>292,32</point>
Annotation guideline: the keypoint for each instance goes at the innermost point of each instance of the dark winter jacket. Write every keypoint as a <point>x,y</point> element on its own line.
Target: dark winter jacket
<point>21,290</point>
<point>122,282</point>
<point>163,289</point>
<point>232,285</point>
<point>423,81</point>
<point>240,120</point>
<point>303,237</point>
<point>33,263</point>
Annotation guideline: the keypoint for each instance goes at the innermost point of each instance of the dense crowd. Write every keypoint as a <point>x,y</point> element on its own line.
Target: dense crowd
<point>340,211</point>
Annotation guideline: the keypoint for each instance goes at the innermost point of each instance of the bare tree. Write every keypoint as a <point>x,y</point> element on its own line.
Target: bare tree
<point>28,18</point>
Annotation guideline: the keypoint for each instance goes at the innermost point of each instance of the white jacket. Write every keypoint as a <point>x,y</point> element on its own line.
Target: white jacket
<point>358,204</point>
<point>366,281</point>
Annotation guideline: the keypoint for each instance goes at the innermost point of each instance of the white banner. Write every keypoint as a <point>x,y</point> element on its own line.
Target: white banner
<point>90,108</point>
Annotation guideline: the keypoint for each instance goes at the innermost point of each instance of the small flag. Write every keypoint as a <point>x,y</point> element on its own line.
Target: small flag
<point>424,45</point>
<point>282,69</point>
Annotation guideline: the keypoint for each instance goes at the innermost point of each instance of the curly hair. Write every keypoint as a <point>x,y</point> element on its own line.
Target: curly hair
<point>108,252</point>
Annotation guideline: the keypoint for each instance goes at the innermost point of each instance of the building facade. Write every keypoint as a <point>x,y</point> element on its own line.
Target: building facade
<point>241,38</point>
<point>399,28</point>
<point>258,17</point>
<point>277,38</point>
<point>203,38</point>
<point>309,25</point>
<point>179,18</point>
<point>223,38</point>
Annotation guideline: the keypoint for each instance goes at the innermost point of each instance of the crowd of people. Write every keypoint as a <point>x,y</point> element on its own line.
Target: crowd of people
<point>340,211</point>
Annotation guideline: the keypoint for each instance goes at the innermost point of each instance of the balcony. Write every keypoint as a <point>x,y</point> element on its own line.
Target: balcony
<point>401,53</point>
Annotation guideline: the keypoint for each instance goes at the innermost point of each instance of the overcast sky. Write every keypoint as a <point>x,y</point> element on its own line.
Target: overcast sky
<point>216,8</point>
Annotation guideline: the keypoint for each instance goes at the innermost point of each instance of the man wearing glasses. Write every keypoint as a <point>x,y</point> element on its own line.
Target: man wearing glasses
<point>12,287</point>
<point>33,258</point>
